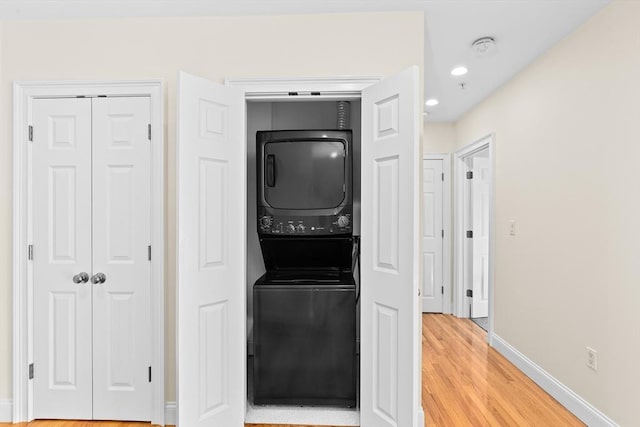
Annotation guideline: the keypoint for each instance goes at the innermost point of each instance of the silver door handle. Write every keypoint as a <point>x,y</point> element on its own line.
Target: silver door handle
<point>98,278</point>
<point>81,278</point>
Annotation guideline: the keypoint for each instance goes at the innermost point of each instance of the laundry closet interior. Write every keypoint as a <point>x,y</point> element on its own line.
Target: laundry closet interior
<point>303,303</point>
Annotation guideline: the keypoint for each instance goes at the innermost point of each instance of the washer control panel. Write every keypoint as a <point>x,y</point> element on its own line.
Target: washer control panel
<point>281,225</point>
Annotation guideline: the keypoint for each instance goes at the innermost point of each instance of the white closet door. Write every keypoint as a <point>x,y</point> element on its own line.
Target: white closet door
<point>61,206</point>
<point>121,236</point>
<point>480,208</point>
<point>432,236</point>
<point>211,237</point>
<point>390,328</point>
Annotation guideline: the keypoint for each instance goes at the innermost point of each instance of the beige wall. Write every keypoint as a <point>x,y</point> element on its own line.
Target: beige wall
<point>567,135</point>
<point>439,138</point>
<point>212,47</point>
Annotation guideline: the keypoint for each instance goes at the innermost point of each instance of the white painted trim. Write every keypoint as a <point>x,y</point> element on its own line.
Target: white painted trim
<point>6,409</point>
<point>21,357</point>
<point>23,95</point>
<point>461,155</point>
<point>280,88</point>
<point>579,407</point>
<point>492,234</point>
<point>170,414</point>
<point>447,306</point>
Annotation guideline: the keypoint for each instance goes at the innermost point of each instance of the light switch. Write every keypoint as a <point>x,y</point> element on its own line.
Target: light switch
<point>512,228</point>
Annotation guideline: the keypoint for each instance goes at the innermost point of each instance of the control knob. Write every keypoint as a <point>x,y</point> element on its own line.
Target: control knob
<point>301,228</point>
<point>265,221</point>
<point>291,228</point>
<point>343,220</point>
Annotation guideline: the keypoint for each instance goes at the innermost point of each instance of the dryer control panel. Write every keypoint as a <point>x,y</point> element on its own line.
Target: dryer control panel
<point>292,225</point>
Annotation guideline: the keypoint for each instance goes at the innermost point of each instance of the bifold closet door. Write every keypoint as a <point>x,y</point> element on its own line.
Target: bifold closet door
<point>121,237</point>
<point>61,211</point>
<point>91,211</point>
<point>390,322</point>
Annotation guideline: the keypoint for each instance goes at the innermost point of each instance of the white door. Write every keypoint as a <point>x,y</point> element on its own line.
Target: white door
<point>390,322</point>
<point>121,237</point>
<point>211,179</point>
<point>432,236</point>
<point>61,206</point>
<point>480,213</point>
<point>91,210</point>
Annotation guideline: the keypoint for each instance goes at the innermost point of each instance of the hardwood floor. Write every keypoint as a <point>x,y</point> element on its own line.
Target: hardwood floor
<point>467,383</point>
<point>464,383</point>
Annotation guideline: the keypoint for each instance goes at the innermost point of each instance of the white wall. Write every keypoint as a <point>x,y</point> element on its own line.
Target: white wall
<point>567,140</point>
<point>212,47</point>
<point>439,137</point>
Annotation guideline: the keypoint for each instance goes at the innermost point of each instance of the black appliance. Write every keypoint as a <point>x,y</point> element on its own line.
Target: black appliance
<point>304,331</point>
<point>304,305</point>
<point>304,182</point>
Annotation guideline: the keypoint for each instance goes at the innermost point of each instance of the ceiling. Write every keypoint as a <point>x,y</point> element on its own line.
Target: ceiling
<point>522,30</point>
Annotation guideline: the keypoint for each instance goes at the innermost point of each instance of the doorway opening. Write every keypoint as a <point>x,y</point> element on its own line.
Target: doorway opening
<point>266,115</point>
<point>473,272</point>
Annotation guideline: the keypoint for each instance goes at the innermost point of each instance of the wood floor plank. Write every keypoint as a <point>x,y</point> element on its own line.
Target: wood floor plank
<point>465,383</point>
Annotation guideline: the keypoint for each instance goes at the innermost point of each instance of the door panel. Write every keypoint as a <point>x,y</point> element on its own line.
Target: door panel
<point>385,214</point>
<point>211,254</point>
<point>480,208</point>
<point>432,238</point>
<point>121,236</point>
<point>61,198</point>
<point>390,328</point>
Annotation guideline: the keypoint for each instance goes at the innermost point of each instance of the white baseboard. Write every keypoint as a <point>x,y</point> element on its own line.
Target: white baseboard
<point>582,409</point>
<point>170,413</point>
<point>6,411</point>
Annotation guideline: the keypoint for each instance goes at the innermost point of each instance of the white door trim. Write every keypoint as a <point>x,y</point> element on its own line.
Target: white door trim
<point>23,95</point>
<point>303,88</point>
<point>459,233</point>
<point>447,306</point>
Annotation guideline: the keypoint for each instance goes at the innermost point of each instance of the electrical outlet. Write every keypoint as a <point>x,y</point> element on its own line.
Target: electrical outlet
<point>592,359</point>
<point>512,228</point>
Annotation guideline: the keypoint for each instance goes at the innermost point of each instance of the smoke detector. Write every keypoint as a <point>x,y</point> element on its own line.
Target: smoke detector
<point>484,46</point>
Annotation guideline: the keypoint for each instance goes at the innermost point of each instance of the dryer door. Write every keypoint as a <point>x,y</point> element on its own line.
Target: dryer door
<point>304,174</point>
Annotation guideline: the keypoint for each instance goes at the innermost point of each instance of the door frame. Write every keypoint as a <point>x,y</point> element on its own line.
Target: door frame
<point>308,89</point>
<point>459,233</point>
<point>24,92</point>
<point>447,306</point>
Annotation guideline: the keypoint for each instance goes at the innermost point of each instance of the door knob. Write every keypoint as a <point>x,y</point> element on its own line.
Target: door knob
<point>98,278</point>
<point>81,278</point>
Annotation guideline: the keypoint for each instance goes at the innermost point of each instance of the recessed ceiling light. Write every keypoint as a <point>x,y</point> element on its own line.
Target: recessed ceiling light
<point>459,71</point>
<point>432,102</point>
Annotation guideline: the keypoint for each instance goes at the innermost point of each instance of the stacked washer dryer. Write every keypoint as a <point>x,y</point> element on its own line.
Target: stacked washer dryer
<point>304,306</point>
